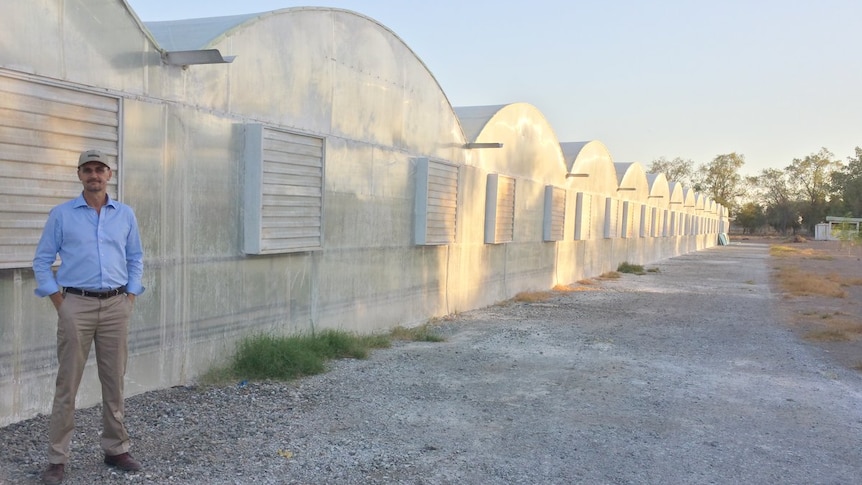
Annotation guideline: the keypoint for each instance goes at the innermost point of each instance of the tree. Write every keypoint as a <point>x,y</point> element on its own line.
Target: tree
<point>720,179</point>
<point>812,176</point>
<point>847,186</point>
<point>750,217</point>
<point>676,170</point>
<point>777,194</point>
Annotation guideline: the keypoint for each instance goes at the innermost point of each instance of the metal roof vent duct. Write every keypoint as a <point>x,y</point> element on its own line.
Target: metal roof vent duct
<point>187,58</point>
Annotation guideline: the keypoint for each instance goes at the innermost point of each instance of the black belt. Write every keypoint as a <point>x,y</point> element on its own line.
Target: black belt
<point>96,294</point>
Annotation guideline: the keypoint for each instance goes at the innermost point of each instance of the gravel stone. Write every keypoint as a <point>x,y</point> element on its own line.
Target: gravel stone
<point>688,375</point>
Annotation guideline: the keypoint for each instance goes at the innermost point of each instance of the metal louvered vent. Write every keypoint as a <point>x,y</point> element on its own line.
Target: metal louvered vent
<point>283,206</point>
<point>500,209</point>
<point>43,129</point>
<point>555,213</point>
<point>436,204</point>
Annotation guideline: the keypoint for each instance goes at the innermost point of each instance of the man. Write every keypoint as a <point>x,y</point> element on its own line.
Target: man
<point>100,273</point>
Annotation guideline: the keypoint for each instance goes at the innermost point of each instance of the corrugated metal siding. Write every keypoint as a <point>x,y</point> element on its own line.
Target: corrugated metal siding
<point>555,213</point>
<point>43,129</point>
<point>441,203</point>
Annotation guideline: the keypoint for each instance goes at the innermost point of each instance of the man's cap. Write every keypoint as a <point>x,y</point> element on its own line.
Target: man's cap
<point>93,156</point>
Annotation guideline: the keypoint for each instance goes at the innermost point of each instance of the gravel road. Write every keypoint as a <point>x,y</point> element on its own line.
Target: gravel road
<point>688,376</point>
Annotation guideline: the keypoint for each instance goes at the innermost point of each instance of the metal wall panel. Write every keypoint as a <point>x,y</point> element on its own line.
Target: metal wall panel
<point>43,128</point>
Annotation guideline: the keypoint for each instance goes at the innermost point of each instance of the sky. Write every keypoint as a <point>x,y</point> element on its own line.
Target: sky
<point>773,80</point>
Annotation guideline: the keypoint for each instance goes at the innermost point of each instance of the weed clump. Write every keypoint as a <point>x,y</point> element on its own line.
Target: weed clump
<point>285,358</point>
<point>422,333</point>
<point>626,267</point>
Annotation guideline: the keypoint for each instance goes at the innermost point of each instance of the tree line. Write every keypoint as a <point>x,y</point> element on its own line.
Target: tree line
<point>788,200</point>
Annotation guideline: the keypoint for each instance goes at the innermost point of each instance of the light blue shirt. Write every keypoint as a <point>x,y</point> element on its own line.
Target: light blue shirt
<point>98,251</point>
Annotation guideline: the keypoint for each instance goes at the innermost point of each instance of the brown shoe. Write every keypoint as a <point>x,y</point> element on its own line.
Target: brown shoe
<point>123,461</point>
<point>53,475</point>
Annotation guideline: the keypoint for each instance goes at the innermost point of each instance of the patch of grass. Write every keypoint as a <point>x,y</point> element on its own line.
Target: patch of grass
<point>217,376</point>
<point>844,281</point>
<point>626,267</point>
<point>268,357</point>
<point>563,288</point>
<point>422,333</point>
<point>837,328</point>
<point>827,335</point>
<point>800,283</point>
<point>780,251</point>
<point>584,285</point>
<point>287,358</point>
<point>532,296</point>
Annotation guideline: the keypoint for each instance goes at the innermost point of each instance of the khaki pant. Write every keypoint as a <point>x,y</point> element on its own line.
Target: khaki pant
<point>83,320</point>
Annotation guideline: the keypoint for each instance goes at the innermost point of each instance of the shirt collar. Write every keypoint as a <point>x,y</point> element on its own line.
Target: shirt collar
<point>80,202</point>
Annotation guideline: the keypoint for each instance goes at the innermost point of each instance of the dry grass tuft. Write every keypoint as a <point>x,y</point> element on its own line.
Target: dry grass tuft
<point>797,283</point>
<point>571,289</point>
<point>533,296</point>
<point>837,330</point>
<point>834,327</point>
<point>563,288</point>
<point>828,335</point>
<point>844,281</point>
<point>779,251</point>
